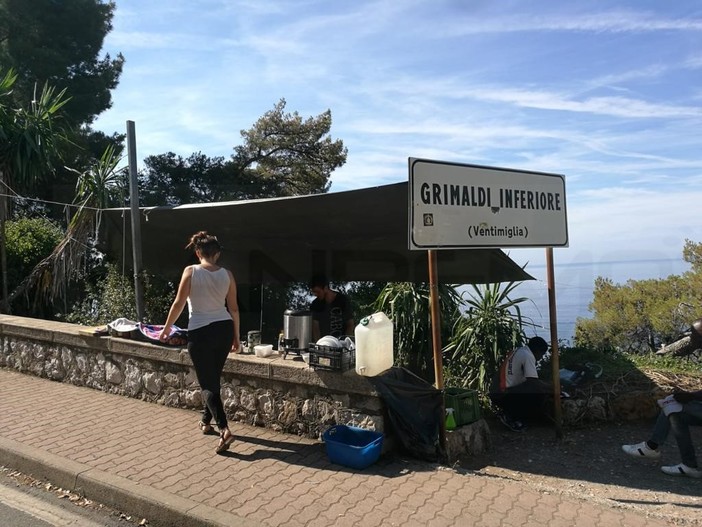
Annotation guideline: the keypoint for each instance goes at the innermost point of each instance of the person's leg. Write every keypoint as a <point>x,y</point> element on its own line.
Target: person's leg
<point>496,398</point>
<point>524,404</point>
<point>209,347</point>
<point>220,346</point>
<point>660,432</point>
<point>649,449</point>
<point>222,338</point>
<point>507,403</point>
<point>680,423</point>
<point>197,349</point>
<point>507,406</point>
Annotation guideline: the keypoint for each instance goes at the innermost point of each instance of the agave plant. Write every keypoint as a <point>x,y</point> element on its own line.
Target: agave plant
<point>407,305</point>
<point>492,326</point>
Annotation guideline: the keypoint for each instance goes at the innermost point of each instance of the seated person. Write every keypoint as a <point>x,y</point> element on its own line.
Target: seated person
<point>517,390</point>
<point>679,423</point>
<point>331,310</point>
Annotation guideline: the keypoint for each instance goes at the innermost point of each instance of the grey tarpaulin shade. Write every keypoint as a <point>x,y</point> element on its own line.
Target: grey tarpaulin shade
<point>351,235</point>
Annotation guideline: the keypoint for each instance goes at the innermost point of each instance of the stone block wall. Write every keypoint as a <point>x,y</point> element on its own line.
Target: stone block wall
<point>281,394</point>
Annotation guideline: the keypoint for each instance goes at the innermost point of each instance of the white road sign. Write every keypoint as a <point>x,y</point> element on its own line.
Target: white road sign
<point>456,205</point>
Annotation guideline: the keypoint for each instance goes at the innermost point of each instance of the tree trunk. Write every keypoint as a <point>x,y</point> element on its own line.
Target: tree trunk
<point>686,345</point>
<point>679,348</point>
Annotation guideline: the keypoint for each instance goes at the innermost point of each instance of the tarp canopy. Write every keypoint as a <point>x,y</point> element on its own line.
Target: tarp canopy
<point>353,235</point>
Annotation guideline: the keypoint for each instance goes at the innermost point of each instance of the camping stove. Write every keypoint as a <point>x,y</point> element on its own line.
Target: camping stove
<point>297,331</point>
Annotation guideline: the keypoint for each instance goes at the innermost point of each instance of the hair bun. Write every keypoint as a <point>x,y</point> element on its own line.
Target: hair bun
<point>200,239</point>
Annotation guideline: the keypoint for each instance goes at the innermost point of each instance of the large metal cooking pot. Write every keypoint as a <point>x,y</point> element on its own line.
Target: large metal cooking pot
<point>297,330</point>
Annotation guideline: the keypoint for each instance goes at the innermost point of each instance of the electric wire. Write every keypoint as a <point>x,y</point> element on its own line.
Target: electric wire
<point>49,202</point>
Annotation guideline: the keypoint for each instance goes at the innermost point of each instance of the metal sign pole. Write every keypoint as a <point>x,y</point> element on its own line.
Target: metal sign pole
<point>555,366</point>
<point>436,340</point>
<point>136,220</point>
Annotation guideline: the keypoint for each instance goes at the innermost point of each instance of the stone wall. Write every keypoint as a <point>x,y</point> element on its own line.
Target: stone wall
<point>624,406</point>
<point>281,394</point>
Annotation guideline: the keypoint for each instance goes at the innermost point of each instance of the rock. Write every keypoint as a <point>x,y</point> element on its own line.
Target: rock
<point>596,409</point>
<point>113,375</point>
<point>193,399</point>
<point>153,382</point>
<point>468,440</point>
<point>633,406</point>
<point>289,414</point>
<point>133,379</point>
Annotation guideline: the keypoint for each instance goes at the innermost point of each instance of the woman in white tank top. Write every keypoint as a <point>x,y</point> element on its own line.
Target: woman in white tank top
<point>213,327</point>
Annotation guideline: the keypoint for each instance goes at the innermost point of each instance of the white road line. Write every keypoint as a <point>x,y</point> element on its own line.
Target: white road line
<point>42,510</point>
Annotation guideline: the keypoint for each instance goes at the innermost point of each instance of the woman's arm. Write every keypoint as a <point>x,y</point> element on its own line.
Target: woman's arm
<point>233,307</point>
<point>179,302</point>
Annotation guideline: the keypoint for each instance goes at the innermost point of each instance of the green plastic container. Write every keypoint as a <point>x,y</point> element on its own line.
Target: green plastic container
<point>466,408</point>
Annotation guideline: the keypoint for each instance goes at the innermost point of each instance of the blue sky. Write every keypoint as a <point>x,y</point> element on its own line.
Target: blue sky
<point>607,93</point>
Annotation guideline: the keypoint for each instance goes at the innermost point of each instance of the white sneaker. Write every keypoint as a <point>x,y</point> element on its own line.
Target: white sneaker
<point>682,470</point>
<point>641,450</point>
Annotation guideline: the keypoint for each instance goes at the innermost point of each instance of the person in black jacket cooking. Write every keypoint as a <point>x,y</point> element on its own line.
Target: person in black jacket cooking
<point>331,310</point>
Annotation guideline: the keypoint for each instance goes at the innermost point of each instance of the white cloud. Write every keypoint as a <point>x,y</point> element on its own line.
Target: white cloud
<point>604,22</point>
<point>608,97</point>
<point>612,224</point>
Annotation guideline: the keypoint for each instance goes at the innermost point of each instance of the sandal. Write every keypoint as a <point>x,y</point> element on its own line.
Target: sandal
<point>224,443</point>
<point>205,428</point>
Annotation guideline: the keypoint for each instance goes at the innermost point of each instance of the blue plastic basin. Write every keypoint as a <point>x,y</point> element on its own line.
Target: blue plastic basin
<point>352,446</point>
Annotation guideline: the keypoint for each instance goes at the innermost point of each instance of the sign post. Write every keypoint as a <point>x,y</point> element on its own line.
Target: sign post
<point>436,338</point>
<point>555,367</point>
<point>453,206</point>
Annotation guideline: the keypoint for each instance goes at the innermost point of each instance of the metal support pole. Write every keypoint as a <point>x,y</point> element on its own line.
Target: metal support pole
<point>4,213</point>
<point>436,341</point>
<point>555,365</point>
<point>136,220</point>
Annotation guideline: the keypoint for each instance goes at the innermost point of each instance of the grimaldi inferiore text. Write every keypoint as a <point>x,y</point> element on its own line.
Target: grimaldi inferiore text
<point>476,196</point>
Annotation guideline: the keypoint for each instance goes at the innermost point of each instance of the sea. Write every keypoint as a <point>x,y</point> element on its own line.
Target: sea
<point>574,286</point>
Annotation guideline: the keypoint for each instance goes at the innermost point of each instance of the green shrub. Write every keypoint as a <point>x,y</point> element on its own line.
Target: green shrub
<point>615,363</point>
<point>110,295</point>
<point>29,241</point>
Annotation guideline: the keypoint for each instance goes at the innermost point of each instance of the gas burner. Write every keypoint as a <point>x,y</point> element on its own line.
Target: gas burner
<point>297,352</point>
<point>293,346</point>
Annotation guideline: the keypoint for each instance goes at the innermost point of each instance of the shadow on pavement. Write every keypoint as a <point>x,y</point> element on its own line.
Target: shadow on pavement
<point>390,464</point>
<point>586,458</point>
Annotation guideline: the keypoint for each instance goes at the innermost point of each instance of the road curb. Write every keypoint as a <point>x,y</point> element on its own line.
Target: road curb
<point>160,508</point>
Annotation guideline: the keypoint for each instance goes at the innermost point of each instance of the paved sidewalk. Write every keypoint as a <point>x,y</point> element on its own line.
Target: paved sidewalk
<point>151,461</point>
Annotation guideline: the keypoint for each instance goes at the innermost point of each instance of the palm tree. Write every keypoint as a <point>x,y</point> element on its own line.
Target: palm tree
<point>30,140</point>
<point>95,190</point>
<point>408,306</point>
<point>492,326</point>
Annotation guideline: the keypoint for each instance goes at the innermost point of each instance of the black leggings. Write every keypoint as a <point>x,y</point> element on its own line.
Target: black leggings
<point>208,348</point>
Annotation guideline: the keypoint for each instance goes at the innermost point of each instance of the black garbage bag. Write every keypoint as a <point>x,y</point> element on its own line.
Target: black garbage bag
<point>414,410</point>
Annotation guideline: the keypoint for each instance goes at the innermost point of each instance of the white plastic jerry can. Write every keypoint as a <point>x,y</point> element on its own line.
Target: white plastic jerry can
<point>374,345</point>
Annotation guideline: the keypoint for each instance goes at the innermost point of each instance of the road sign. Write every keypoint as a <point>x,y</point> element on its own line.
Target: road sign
<point>456,205</point>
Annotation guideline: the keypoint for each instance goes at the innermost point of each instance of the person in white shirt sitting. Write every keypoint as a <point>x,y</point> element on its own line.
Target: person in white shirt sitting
<point>517,390</point>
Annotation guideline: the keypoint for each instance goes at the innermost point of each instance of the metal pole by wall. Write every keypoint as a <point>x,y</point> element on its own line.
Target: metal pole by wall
<point>136,220</point>
<point>555,362</point>
<point>436,339</point>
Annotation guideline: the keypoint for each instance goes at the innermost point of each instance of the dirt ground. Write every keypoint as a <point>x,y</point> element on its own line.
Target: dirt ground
<point>588,463</point>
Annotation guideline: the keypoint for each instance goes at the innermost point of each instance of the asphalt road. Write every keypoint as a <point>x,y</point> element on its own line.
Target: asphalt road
<point>25,502</point>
